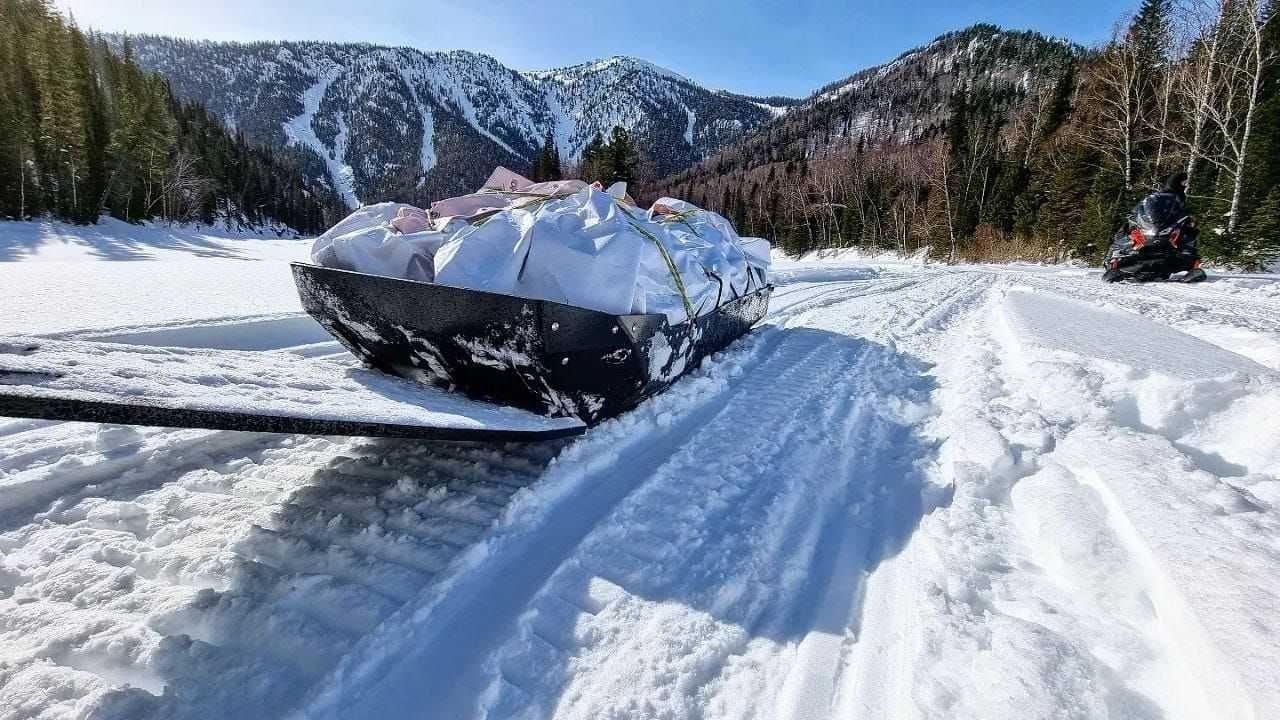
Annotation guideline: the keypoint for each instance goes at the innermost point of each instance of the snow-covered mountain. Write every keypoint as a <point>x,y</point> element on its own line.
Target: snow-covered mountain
<point>402,123</point>
<point>906,100</point>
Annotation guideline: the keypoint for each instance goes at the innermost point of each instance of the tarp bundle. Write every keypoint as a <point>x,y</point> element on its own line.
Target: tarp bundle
<point>564,241</point>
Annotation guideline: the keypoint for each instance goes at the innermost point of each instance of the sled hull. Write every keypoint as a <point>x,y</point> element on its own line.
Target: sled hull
<point>545,357</point>
<point>243,390</point>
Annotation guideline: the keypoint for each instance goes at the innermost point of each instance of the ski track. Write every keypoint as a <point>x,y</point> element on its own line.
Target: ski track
<point>896,499</point>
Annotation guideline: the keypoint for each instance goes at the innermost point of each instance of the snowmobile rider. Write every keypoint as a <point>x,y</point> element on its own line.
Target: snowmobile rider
<point>1131,255</point>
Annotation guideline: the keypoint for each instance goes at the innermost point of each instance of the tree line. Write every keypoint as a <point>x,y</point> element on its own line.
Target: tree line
<point>85,132</point>
<point>617,159</point>
<point>1045,169</point>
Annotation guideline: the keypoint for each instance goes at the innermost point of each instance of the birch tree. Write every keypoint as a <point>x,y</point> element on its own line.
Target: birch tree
<point>1118,82</point>
<point>1239,70</point>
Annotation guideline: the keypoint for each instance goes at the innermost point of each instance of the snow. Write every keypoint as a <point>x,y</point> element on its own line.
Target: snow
<point>300,131</point>
<point>249,382</point>
<point>428,156</point>
<point>61,278</point>
<point>916,491</point>
<point>776,111</point>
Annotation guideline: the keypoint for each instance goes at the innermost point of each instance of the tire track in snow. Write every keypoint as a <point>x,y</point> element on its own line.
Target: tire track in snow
<point>1191,543</point>
<point>431,666</point>
<point>430,652</point>
<point>236,584</point>
<point>1035,593</point>
<point>1245,321</point>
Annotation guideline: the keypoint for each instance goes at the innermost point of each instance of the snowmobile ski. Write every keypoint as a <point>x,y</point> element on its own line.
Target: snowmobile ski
<point>546,357</point>
<point>269,392</point>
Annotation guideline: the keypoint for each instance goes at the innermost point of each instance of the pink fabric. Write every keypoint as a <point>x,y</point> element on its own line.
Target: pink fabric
<point>469,205</point>
<point>411,220</point>
<point>504,179</point>
<point>492,196</point>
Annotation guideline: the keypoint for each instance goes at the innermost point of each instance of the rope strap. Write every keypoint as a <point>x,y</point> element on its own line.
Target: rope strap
<point>666,257</point>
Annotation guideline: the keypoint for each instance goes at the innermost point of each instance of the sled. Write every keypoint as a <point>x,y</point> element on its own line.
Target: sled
<point>438,363</point>
<point>546,357</point>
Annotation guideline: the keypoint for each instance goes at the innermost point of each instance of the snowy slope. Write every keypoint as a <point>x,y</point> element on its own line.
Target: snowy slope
<point>914,492</point>
<point>379,123</point>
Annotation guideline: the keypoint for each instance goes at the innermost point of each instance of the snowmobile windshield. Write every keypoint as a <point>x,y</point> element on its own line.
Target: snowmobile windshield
<point>1158,214</point>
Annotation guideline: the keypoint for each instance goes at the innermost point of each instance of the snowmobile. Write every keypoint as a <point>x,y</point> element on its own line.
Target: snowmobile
<point>441,362</point>
<point>1157,241</point>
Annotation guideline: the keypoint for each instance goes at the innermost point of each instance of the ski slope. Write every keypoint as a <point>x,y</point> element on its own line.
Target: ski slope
<point>914,492</point>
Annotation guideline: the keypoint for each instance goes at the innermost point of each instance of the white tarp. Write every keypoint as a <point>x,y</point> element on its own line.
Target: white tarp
<point>565,242</point>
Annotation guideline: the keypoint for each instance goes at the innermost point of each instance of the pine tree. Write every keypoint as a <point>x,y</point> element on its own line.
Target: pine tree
<point>621,157</point>
<point>1150,29</point>
<point>554,169</point>
<point>1260,237</point>
<point>1264,155</point>
<point>546,166</point>
<point>593,159</point>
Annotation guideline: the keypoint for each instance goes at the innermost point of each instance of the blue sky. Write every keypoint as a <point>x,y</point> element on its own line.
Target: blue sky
<point>759,47</point>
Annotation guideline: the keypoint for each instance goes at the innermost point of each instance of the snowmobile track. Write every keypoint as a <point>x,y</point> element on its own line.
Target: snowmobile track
<point>887,502</point>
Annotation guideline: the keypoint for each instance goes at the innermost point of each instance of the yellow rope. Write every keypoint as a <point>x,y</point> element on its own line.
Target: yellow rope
<point>666,257</point>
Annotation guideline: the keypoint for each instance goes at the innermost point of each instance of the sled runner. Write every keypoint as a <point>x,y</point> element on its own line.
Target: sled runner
<point>471,365</point>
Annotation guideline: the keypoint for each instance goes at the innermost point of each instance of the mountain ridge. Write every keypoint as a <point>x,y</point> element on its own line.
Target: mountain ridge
<point>397,122</point>
<point>384,122</point>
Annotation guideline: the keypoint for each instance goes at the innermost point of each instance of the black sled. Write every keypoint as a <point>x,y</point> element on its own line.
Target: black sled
<point>552,359</point>
<point>1155,243</point>
<point>511,369</point>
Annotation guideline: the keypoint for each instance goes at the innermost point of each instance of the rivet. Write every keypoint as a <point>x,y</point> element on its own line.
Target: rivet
<point>614,330</point>
<point>564,361</point>
<point>555,326</point>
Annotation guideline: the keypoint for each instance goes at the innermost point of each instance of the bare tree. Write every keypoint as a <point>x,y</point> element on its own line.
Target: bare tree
<point>1118,86</point>
<point>1241,63</point>
<point>181,189</point>
<point>940,171</point>
<point>1205,22</point>
<point>1165,87</point>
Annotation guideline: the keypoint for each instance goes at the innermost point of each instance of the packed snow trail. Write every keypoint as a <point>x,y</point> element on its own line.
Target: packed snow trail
<point>912,493</point>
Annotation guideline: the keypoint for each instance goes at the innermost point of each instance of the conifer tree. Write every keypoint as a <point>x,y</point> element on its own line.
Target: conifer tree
<point>85,131</point>
<point>547,165</point>
<point>621,158</point>
<point>1260,237</point>
<point>594,157</point>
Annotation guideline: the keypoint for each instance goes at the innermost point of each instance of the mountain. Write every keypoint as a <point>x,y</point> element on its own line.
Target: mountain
<point>384,122</point>
<point>904,101</point>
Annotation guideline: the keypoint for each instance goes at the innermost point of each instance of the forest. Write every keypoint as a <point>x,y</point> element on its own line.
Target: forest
<point>1044,168</point>
<point>85,132</point>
